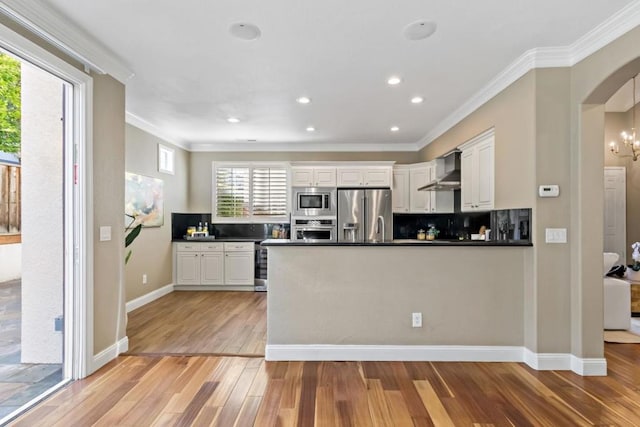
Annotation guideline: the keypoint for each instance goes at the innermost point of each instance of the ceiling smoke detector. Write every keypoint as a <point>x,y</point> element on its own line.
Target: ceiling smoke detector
<point>245,31</point>
<point>419,30</point>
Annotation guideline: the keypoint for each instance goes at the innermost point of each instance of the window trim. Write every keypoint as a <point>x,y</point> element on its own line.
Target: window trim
<point>250,219</point>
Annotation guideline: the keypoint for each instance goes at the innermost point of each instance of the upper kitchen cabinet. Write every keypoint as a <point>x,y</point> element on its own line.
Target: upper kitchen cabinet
<point>420,175</point>
<point>478,172</point>
<point>406,197</point>
<point>316,176</point>
<point>364,176</point>
<point>400,190</point>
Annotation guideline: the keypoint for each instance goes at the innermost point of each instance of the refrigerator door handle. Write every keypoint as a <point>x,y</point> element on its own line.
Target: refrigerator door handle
<point>380,221</point>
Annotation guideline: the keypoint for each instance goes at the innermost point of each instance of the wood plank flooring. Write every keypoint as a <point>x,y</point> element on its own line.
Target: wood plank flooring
<point>236,391</point>
<point>189,323</point>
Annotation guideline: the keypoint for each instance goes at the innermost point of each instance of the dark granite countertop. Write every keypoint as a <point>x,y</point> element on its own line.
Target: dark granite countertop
<point>400,242</point>
<point>221,239</point>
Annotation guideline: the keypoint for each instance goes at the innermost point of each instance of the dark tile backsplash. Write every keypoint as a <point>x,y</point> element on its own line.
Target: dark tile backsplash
<point>451,226</point>
<point>180,222</point>
<point>505,225</point>
<point>511,224</point>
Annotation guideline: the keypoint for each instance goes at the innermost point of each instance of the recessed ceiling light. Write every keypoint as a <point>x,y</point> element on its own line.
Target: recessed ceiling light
<point>394,80</point>
<point>303,100</point>
<point>395,128</point>
<point>245,31</point>
<point>419,30</point>
<point>311,129</point>
<point>233,120</point>
<point>417,100</point>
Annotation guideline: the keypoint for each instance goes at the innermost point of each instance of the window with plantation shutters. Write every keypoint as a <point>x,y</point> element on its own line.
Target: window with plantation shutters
<point>232,192</point>
<point>269,191</point>
<point>251,192</point>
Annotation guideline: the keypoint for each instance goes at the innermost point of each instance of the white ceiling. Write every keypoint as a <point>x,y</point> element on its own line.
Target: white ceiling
<point>191,74</point>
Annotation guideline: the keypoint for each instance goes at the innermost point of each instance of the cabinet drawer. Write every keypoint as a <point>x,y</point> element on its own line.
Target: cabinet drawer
<point>211,247</point>
<point>188,247</point>
<point>238,246</point>
<point>199,247</point>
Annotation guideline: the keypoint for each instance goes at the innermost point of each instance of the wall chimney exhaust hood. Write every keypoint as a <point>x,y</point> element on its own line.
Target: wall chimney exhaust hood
<point>447,173</point>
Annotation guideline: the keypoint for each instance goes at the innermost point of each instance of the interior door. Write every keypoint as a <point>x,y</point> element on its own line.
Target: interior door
<point>615,207</point>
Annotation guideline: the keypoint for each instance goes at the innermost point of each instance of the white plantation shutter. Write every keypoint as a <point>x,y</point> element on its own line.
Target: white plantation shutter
<point>251,191</point>
<point>232,192</point>
<point>269,191</point>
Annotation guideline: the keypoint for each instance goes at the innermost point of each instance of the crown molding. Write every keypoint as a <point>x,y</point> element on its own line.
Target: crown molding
<point>144,125</point>
<point>617,25</point>
<point>299,147</point>
<point>625,20</point>
<point>54,28</point>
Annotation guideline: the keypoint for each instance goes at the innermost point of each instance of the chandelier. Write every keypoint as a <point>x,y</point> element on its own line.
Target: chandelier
<point>630,140</point>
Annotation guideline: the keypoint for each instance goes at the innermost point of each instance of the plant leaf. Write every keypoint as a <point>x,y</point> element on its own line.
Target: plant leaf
<point>129,238</point>
<point>126,259</point>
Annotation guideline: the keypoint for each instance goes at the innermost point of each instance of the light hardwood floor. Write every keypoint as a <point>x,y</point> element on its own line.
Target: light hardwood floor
<point>156,390</point>
<point>213,323</point>
<point>235,391</point>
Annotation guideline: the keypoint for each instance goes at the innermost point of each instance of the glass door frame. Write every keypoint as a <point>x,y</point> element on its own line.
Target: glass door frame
<point>78,211</point>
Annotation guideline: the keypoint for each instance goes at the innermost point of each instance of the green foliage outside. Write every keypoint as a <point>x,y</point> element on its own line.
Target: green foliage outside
<point>9,105</point>
<point>231,206</point>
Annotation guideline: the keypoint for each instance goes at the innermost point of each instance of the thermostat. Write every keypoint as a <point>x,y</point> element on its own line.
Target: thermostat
<point>549,190</point>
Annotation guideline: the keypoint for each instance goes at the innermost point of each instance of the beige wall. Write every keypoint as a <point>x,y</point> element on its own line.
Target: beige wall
<point>593,81</point>
<point>200,167</point>
<point>614,124</point>
<point>371,292</point>
<point>512,113</point>
<point>151,252</point>
<point>108,207</point>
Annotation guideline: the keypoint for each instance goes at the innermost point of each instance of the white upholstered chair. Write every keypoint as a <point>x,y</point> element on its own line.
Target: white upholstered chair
<point>617,297</point>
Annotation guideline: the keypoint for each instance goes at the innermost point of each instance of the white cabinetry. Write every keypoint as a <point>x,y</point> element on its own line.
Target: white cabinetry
<point>216,265</point>
<point>238,263</point>
<point>199,264</point>
<point>306,176</point>
<point>406,197</point>
<point>400,190</point>
<point>364,176</point>
<point>478,173</point>
<point>419,176</point>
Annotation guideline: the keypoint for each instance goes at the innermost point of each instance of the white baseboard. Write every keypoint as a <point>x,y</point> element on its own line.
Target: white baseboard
<point>437,353</point>
<point>589,367</point>
<point>147,298</point>
<point>565,362</point>
<point>109,353</point>
<point>412,353</point>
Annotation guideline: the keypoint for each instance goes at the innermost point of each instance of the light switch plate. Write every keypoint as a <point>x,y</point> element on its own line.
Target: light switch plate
<point>555,235</point>
<point>105,233</point>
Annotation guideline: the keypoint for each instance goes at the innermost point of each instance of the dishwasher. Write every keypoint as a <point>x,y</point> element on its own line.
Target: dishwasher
<point>260,279</point>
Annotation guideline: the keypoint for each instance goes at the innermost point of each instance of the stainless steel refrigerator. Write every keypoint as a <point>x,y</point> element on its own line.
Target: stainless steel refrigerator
<point>364,215</point>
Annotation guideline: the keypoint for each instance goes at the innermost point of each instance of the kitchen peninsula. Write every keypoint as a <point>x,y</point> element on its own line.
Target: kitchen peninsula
<point>356,301</point>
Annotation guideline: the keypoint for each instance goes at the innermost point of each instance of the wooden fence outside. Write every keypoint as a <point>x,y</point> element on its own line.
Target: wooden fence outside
<point>10,206</point>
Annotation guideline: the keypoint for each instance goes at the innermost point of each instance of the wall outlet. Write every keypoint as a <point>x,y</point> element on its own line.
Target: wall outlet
<point>144,279</point>
<point>416,320</point>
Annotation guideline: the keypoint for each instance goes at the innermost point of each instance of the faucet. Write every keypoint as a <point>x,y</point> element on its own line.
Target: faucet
<point>380,221</point>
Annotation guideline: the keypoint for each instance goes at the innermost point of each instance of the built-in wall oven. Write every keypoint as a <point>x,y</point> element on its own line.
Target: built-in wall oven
<point>313,230</point>
<point>314,201</point>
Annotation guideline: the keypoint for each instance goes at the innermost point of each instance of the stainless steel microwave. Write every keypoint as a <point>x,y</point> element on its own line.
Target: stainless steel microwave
<point>314,201</point>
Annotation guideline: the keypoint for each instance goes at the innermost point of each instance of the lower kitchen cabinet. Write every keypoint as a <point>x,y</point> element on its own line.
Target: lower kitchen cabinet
<point>239,263</point>
<point>219,265</point>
